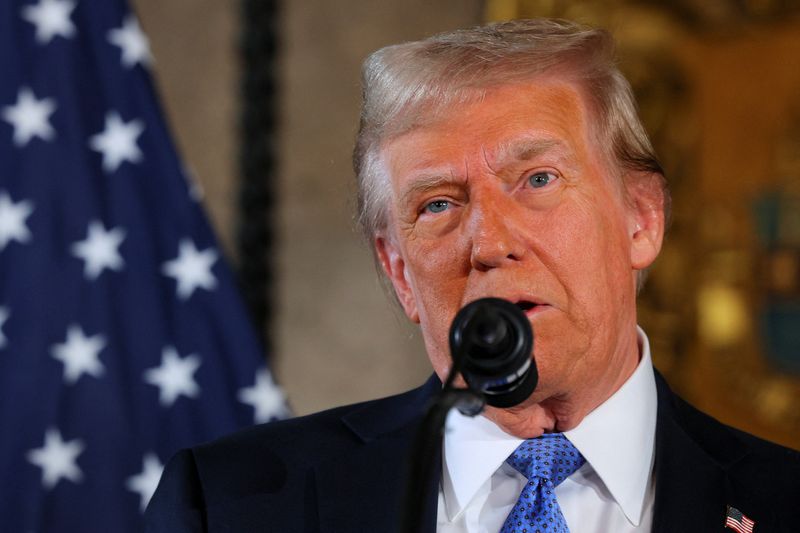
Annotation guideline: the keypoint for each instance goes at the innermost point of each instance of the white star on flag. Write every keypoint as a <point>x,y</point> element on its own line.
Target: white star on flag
<point>196,192</point>
<point>145,482</point>
<point>79,354</point>
<point>30,117</point>
<point>51,18</point>
<point>12,220</point>
<point>117,142</point>
<point>4,314</point>
<point>191,269</point>
<point>57,459</point>
<point>265,397</point>
<point>132,41</point>
<point>174,377</point>
<point>100,249</point>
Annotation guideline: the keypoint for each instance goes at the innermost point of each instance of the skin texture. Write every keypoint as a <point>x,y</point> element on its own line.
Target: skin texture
<point>510,197</point>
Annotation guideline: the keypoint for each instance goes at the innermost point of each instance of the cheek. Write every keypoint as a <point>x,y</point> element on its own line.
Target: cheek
<point>438,305</point>
<point>438,274</point>
<point>437,267</point>
<point>588,254</point>
<point>610,276</point>
<point>439,290</point>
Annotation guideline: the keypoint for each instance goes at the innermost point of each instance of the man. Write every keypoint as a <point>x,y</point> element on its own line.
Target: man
<point>504,161</point>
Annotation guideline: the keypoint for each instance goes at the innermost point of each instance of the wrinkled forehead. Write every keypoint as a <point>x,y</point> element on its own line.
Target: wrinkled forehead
<point>501,125</point>
<point>439,103</point>
<point>508,112</point>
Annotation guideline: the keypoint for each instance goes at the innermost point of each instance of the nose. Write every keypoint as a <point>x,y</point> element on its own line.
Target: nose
<point>492,230</point>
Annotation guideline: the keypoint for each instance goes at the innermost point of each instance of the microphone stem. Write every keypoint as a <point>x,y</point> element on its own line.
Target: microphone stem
<point>427,451</point>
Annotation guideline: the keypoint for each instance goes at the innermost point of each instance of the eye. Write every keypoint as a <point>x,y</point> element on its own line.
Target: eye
<point>437,206</point>
<point>541,179</point>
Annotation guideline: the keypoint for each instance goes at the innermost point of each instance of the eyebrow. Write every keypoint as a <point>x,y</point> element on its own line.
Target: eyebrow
<point>513,151</point>
<point>424,183</point>
<point>524,150</point>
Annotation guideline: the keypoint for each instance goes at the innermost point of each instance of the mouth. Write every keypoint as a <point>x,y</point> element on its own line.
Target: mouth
<point>530,308</point>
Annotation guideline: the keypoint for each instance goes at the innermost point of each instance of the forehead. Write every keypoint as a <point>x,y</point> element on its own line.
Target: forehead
<point>504,124</point>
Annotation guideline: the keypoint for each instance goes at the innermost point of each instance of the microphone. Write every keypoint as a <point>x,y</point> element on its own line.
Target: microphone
<point>493,340</point>
<point>491,344</point>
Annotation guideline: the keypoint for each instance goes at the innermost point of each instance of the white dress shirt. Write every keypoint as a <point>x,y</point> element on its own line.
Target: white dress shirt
<point>612,492</point>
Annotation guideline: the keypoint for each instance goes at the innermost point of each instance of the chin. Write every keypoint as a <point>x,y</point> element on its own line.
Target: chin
<point>525,422</point>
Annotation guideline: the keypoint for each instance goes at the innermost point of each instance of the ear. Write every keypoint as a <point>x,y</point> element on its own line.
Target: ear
<point>646,198</point>
<point>395,269</point>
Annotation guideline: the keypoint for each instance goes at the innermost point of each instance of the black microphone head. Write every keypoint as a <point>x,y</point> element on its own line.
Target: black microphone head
<point>494,340</point>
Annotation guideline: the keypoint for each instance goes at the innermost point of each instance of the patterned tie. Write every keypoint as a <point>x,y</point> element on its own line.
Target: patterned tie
<point>546,461</point>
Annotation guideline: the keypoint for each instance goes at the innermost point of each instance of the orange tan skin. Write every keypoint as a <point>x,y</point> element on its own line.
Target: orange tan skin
<point>510,197</point>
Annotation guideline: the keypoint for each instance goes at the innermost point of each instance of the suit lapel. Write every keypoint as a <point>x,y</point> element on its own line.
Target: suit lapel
<point>692,486</point>
<point>689,486</point>
<point>374,474</point>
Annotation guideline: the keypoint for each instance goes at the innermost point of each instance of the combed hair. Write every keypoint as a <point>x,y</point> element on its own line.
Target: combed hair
<point>408,85</point>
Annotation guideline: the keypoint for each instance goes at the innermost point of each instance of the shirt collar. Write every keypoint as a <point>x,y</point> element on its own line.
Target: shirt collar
<point>617,439</point>
<point>465,439</point>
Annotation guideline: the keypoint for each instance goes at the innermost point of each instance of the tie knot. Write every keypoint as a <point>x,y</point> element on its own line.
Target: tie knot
<point>551,456</point>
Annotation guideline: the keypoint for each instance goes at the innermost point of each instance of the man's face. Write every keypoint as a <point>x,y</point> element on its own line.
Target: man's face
<point>510,197</point>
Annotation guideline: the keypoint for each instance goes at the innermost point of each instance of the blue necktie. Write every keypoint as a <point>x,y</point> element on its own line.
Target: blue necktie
<point>546,461</point>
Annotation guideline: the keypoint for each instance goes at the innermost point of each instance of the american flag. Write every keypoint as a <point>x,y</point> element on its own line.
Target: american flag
<point>122,338</point>
<point>734,519</point>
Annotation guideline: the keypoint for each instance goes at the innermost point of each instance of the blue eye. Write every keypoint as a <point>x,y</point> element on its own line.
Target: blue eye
<point>541,179</point>
<point>437,206</point>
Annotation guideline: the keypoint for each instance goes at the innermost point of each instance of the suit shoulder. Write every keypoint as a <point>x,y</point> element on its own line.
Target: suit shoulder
<point>743,454</point>
<point>767,477</point>
<point>320,434</point>
<point>178,502</point>
<point>774,462</point>
<point>326,432</point>
<point>292,436</point>
<point>270,457</point>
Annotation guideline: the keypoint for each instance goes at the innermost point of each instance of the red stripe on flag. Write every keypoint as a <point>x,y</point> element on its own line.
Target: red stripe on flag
<point>745,526</point>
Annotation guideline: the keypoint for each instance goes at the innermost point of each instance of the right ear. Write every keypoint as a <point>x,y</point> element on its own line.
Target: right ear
<point>394,266</point>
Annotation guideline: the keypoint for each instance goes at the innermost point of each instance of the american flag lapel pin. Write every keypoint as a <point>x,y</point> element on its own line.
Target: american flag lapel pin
<point>734,519</point>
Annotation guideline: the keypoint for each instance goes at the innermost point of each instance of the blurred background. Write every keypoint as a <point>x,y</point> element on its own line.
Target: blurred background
<point>718,82</point>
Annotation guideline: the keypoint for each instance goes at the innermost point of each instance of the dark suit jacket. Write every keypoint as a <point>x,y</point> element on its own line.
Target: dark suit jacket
<point>344,470</point>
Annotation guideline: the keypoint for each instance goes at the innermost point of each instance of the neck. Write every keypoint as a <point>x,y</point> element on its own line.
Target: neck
<point>546,413</point>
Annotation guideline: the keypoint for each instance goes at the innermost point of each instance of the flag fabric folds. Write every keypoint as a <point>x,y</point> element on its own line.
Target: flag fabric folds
<point>122,338</point>
<point>734,519</point>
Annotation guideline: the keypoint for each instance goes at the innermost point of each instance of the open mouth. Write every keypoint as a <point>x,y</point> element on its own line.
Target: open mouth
<point>525,305</point>
<point>530,308</point>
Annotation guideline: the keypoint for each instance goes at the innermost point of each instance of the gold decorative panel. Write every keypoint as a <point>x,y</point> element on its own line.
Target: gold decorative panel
<point>718,83</point>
